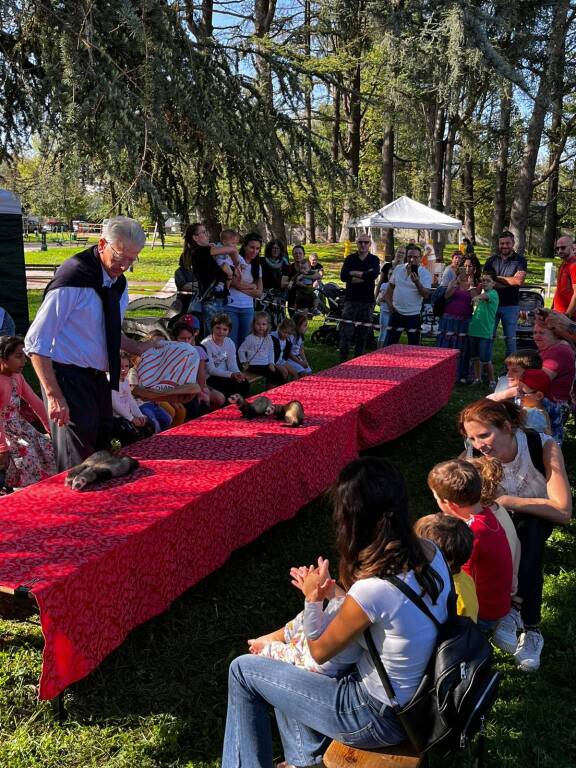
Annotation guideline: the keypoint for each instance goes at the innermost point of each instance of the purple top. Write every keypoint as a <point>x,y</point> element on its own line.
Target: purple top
<point>459,304</point>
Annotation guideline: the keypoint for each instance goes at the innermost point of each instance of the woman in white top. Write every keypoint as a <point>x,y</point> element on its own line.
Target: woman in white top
<point>246,286</point>
<point>537,501</point>
<point>374,539</point>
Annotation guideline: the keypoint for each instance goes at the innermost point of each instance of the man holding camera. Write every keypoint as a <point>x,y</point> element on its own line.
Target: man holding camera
<point>409,285</point>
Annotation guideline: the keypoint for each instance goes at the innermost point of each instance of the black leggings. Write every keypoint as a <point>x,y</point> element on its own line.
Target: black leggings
<point>533,533</point>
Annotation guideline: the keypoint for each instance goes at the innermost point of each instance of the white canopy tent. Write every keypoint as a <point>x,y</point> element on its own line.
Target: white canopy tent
<point>405,213</point>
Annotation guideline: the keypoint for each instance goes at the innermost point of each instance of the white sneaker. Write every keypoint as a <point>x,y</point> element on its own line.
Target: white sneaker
<point>527,655</point>
<point>505,636</point>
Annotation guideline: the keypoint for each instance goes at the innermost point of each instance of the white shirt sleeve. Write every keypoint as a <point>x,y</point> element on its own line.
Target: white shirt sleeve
<point>231,363</point>
<point>425,277</point>
<point>120,406</point>
<point>52,315</point>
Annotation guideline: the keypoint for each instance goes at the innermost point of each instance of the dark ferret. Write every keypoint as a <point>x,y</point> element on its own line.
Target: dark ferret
<point>102,465</point>
<point>259,407</point>
<point>291,414</point>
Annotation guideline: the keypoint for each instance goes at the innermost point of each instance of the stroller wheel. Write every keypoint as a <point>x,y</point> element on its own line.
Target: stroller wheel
<point>332,337</point>
<point>315,337</point>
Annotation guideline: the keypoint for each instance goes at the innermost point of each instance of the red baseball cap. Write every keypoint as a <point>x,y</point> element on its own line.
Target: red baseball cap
<point>537,380</point>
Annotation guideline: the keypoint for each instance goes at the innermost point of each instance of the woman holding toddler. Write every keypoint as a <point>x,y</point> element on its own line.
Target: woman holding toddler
<point>374,539</point>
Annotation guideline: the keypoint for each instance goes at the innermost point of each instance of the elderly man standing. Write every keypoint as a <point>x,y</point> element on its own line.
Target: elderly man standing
<point>77,336</point>
<point>565,297</point>
<point>510,270</point>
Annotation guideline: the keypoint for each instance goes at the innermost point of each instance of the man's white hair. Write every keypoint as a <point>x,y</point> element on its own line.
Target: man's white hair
<point>122,229</point>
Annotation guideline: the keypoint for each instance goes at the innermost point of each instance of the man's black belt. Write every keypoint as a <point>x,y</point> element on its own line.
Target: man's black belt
<point>81,368</point>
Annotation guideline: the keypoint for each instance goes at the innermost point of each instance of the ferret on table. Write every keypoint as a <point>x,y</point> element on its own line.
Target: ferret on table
<point>101,465</point>
<point>259,407</point>
<point>291,414</point>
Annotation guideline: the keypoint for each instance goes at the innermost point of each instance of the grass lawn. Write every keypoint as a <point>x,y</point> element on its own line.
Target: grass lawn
<point>160,699</point>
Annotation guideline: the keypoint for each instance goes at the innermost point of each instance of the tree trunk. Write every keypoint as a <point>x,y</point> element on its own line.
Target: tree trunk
<point>467,174</point>
<point>551,215</point>
<point>447,188</point>
<point>501,184</point>
<point>333,215</point>
<point>310,213</point>
<point>264,11</point>
<point>387,180</point>
<point>520,211</point>
<point>436,127</point>
<point>354,114</point>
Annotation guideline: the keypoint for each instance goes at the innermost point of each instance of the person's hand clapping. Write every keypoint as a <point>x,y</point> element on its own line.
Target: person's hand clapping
<point>318,585</point>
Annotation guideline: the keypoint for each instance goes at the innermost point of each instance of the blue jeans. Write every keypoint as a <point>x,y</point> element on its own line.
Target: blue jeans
<point>311,709</point>
<point>509,318</point>
<point>158,417</point>
<point>384,320</point>
<point>241,322</point>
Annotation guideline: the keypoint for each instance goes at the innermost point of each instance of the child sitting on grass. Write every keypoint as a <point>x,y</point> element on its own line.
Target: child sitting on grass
<point>129,423</point>
<point>221,366</point>
<point>491,474</point>
<point>289,643</point>
<point>457,488</point>
<point>298,360</point>
<point>257,353</point>
<point>481,329</point>
<point>282,340</point>
<point>456,542</point>
<point>516,363</point>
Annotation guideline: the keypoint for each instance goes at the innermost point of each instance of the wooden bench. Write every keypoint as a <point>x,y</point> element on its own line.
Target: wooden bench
<point>253,378</point>
<point>81,241</point>
<point>403,756</point>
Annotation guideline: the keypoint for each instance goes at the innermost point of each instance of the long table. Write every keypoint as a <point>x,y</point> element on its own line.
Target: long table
<point>102,561</point>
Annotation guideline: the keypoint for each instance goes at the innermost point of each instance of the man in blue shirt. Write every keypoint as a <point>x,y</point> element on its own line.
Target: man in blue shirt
<point>510,270</point>
<point>359,272</point>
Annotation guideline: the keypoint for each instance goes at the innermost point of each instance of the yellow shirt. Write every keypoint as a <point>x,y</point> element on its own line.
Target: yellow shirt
<point>467,604</point>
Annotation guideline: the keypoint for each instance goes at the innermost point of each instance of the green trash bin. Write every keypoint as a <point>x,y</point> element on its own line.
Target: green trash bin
<point>13,294</point>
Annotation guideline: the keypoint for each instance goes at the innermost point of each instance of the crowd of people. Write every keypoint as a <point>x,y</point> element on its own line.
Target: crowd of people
<point>497,503</point>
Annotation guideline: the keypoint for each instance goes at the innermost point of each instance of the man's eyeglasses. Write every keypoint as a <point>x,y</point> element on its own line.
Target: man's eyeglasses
<point>120,258</point>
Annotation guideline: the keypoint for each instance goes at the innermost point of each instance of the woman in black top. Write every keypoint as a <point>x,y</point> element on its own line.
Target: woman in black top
<point>199,267</point>
<point>275,267</point>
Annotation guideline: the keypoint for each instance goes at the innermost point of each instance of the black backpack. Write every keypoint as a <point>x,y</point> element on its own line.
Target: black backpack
<point>458,688</point>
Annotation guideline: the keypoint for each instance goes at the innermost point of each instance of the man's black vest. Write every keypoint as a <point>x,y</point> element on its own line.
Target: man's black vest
<point>84,270</point>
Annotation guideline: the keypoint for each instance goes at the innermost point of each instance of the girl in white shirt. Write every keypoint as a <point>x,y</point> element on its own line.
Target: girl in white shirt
<point>129,423</point>
<point>256,353</point>
<point>374,539</point>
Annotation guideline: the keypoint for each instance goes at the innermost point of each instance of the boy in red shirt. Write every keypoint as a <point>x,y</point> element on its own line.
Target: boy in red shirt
<point>457,488</point>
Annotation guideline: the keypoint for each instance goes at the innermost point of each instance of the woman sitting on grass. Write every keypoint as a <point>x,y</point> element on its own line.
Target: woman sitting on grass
<point>375,539</point>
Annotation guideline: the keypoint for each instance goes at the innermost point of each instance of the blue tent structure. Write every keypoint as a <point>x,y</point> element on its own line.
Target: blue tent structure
<point>13,295</point>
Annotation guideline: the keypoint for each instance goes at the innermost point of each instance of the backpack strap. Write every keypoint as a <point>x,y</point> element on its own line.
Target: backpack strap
<point>414,597</point>
<point>535,450</point>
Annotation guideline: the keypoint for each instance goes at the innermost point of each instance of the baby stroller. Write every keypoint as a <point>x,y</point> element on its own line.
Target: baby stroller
<point>275,304</point>
<point>331,299</point>
<point>531,299</point>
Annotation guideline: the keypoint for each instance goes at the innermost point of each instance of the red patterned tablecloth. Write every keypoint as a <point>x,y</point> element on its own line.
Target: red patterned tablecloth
<point>103,561</point>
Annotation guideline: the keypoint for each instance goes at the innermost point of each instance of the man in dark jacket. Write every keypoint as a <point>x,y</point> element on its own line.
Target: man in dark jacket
<point>359,272</point>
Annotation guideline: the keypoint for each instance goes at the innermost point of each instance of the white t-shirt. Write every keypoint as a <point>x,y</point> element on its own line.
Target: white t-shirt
<point>406,299</point>
<point>221,358</point>
<point>404,635</point>
<point>237,298</point>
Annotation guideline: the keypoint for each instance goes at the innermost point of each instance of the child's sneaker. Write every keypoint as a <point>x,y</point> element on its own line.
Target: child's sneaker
<point>530,645</point>
<point>505,636</point>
